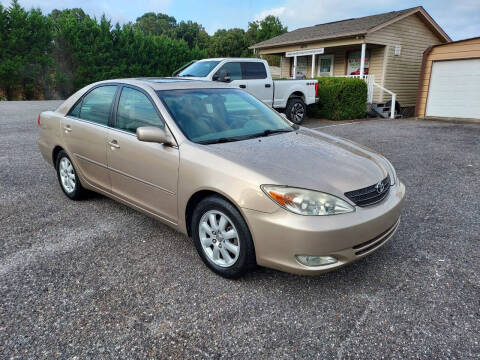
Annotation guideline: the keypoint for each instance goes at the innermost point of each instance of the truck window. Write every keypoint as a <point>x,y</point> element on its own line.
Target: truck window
<point>254,70</point>
<point>233,69</point>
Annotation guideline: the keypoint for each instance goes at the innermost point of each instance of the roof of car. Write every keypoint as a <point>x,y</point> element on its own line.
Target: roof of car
<point>170,83</point>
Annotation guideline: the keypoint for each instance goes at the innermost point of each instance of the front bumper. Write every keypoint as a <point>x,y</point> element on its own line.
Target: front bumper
<point>281,235</point>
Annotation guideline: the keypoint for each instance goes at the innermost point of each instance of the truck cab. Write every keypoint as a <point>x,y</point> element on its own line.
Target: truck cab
<point>253,75</point>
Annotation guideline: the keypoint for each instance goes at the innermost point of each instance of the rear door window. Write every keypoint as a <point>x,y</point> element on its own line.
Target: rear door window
<point>97,104</point>
<point>254,70</point>
<point>135,110</point>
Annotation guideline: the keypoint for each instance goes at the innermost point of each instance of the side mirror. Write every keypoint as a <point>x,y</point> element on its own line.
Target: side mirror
<point>154,134</point>
<point>224,76</point>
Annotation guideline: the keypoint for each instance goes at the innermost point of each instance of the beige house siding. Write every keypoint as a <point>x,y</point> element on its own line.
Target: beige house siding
<point>284,67</point>
<point>467,49</point>
<point>402,72</point>
<point>377,58</point>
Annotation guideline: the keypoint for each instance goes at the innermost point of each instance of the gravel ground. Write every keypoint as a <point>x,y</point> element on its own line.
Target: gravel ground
<point>95,279</point>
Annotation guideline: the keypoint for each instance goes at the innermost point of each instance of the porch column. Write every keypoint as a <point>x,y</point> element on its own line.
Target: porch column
<point>362,59</point>
<point>295,66</point>
<point>313,65</point>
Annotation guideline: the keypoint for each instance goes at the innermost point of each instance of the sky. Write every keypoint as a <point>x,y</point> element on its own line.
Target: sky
<point>459,18</point>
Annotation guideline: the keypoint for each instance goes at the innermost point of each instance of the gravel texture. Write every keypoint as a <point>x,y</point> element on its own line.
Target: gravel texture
<point>95,279</point>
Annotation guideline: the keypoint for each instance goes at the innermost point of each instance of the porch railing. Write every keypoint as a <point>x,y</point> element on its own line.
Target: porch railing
<point>370,80</point>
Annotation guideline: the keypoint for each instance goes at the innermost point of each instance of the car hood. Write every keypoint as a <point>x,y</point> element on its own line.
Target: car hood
<point>306,158</point>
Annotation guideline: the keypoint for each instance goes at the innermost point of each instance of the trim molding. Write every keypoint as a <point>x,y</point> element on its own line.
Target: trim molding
<point>125,174</point>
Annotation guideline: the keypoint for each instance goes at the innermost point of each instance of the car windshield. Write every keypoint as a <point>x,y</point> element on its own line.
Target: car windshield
<point>199,69</point>
<point>220,115</point>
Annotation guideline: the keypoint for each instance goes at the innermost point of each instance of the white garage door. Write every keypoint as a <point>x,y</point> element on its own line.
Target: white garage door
<point>454,89</point>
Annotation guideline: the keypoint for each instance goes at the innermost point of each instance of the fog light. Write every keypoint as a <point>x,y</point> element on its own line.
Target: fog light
<point>310,260</point>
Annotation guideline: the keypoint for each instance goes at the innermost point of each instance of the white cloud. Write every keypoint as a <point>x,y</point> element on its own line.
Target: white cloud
<point>275,12</point>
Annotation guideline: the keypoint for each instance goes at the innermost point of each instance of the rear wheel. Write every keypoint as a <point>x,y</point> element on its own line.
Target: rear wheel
<point>222,238</point>
<point>296,110</point>
<point>68,178</point>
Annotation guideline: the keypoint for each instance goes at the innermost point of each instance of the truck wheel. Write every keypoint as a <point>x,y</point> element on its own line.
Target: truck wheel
<point>296,110</point>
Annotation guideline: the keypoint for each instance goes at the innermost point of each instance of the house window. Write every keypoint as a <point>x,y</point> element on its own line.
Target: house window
<point>325,65</point>
<point>353,62</point>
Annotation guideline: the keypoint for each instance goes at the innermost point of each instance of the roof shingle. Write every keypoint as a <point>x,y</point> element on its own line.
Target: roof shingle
<point>334,29</point>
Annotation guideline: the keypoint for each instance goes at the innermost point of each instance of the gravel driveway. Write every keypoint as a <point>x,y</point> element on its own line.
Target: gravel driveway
<point>95,279</point>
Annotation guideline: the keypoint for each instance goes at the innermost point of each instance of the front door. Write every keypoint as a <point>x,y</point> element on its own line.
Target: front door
<point>142,173</point>
<point>85,133</point>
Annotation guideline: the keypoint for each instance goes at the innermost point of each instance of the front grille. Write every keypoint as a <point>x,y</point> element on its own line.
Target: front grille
<point>371,194</point>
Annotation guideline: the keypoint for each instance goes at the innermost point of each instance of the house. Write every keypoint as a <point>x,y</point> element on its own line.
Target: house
<point>450,80</point>
<point>385,50</point>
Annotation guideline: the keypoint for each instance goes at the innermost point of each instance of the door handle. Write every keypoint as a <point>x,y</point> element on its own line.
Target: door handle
<point>67,128</point>
<point>268,85</point>
<point>243,86</point>
<point>114,144</point>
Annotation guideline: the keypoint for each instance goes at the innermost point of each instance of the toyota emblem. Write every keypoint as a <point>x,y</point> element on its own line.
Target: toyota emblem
<point>380,187</point>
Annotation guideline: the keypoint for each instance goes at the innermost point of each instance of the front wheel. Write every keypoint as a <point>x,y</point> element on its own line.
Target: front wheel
<point>222,238</point>
<point>296,110</point>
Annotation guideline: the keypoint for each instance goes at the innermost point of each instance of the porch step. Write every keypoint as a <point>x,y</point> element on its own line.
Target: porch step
<point>384,111</point>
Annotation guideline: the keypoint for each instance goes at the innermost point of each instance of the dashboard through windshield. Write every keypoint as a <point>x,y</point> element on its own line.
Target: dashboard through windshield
<point>220,115</point>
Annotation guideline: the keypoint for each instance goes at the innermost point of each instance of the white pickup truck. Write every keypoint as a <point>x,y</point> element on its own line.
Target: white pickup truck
<point>253,75</point>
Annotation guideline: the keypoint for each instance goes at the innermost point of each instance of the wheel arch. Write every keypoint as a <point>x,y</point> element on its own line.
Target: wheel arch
<point>297,94</point>
<point>56,150</point>
<point>195,199</point>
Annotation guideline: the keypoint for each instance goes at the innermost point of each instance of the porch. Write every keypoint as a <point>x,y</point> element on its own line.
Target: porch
<point>361,60</point>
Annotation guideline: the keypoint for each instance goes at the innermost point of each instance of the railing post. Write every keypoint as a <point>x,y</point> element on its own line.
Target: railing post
<point>394,100</point>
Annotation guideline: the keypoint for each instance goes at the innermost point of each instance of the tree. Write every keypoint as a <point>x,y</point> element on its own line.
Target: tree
<point>265,29</point>
<point>193,33</point>
<point>156,24</point>
<point>25,63</point>
<point>228,43</point>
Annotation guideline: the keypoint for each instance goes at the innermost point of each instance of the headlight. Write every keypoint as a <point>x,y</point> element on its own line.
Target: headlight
<point>306,202</point>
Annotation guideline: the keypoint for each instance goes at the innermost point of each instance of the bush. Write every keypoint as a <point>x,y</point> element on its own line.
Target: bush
<point>340,98</point>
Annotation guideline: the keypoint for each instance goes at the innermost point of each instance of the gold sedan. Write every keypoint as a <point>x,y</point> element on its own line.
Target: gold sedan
<point>217,164</point>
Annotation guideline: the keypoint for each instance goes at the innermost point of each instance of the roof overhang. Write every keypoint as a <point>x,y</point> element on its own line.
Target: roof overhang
<point>425,16</point>
<point>306,41</point>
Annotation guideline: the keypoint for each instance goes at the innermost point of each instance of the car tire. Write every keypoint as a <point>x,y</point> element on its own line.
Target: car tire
<point>296,110</point>
<point>228,251</point>
<point>68,178</point>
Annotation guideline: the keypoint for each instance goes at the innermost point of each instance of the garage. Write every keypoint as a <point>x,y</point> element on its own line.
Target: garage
<point>450,81</point>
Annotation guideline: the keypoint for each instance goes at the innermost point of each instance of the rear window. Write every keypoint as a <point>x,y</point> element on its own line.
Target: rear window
<point>254,70</point>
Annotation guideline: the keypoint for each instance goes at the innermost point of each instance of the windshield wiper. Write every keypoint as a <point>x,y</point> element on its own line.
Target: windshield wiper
<point>186,75</point>
<point>269,132</point>
<point>220,140</point>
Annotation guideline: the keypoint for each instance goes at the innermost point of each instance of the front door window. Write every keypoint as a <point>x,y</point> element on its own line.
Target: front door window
<point>325,65</point>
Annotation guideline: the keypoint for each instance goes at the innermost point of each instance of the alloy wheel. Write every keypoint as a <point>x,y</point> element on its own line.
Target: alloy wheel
<point>219,238</point>
<point>297,112</point>
<point>67,175</point>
